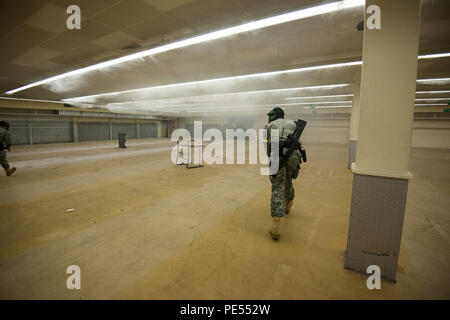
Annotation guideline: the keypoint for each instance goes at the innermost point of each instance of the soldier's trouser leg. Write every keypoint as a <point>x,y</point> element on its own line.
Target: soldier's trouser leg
<point>292,168</point>
<point>289,188</point>
<point>3,162</point>
<point>278,200</point>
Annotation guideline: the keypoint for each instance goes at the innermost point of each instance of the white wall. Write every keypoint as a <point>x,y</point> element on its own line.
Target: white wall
<point>431,134</point>
<point>426,133</point>
<point>326,131</point>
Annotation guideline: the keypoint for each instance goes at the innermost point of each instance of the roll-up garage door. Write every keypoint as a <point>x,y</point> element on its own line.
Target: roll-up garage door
<point>148,130</point>
<point>128,128</point>
<point>93,131</point>
<point>19,132</point>
<point>51,131</point>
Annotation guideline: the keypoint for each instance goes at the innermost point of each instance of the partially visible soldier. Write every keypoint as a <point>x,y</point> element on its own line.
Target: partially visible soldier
<point>5,144</point>
<point>282,189</point>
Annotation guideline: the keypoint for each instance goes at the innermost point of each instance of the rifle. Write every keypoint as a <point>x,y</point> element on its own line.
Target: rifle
<point>292,142</point>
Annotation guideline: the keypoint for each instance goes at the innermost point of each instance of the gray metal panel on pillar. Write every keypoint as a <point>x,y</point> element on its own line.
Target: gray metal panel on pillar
<point>376,222</point>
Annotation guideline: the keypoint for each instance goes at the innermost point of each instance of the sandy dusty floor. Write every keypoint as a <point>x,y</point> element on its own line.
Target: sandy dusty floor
<point>146,229</point>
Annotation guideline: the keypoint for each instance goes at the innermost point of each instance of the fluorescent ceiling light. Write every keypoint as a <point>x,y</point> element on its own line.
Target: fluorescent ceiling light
<point>256,106</point>
<point>434,55</point>
<point>433,99</point>
<point>314,97</point>
<point>33,100</point>
<point>314,103</point>
<point>226,111</point>
<point>433,80</point>
<point>259,24</point>
<point>146,53</point>
<point>329,86</point>
<point>223,95</point>
<point>431,104</point>
<point>263,108</point>
<point>253,75</point>
<point>437,91</point>
<point>328,107</point>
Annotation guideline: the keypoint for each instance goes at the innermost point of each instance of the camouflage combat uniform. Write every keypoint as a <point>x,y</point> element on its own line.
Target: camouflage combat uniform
<point>282,188</point>
<point>5,139</point>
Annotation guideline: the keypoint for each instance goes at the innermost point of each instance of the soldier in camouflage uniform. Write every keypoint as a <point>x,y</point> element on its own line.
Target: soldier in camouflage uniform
<point>5,144</point>
<point>282,189</point>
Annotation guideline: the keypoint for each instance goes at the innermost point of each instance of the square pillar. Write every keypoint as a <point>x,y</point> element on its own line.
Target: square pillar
<point>380,181</point>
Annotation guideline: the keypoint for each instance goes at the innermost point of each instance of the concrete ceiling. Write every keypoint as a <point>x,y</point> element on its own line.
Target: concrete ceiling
<point>36,45</point>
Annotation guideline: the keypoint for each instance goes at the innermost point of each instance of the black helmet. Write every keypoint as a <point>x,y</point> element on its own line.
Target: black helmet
<point>276,113</point>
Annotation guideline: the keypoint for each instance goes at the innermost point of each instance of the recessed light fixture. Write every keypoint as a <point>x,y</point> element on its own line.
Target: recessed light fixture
<point>259,24</point>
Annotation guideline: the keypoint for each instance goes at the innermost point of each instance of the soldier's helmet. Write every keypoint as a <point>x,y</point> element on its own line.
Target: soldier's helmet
<point>276,113</point>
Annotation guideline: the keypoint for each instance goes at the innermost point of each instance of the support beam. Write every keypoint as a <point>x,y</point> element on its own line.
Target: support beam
<point>380,181</point>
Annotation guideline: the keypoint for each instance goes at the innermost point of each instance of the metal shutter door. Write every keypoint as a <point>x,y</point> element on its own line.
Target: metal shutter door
<point>19,132</point>
<point>51,131</point>
<point>128,128</point>
<point>148,130</point>
<point>93,131</point>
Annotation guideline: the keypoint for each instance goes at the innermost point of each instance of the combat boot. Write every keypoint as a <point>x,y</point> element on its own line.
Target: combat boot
<point>289,206</point>
<point>275,230</point>
<point>10,171</point>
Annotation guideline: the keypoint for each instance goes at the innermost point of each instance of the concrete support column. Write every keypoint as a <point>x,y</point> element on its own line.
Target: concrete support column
<point>138,130</point>
<point>110,130</point>
<point>75,130</point>
<point>380,181</point>
<point>354,121</point>
<point>30,132</point>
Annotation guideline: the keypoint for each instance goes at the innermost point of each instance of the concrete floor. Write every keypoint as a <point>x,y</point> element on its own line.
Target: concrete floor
<point>145,229</point>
